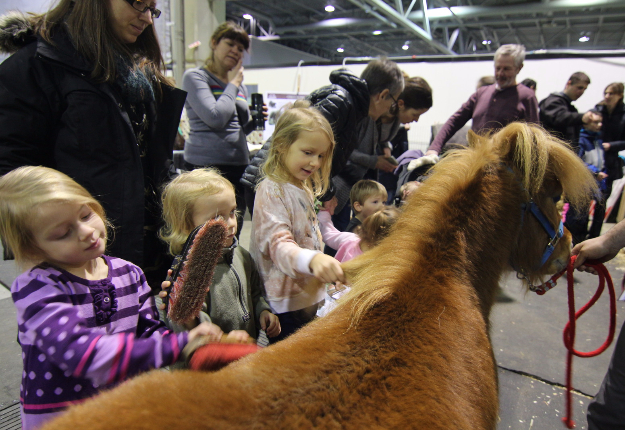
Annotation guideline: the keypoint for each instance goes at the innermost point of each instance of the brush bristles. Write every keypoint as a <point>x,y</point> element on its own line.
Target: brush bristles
<point>190,288</point>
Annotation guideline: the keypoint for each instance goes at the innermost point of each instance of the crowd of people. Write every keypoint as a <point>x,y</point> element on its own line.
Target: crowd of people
<point>94,212</point>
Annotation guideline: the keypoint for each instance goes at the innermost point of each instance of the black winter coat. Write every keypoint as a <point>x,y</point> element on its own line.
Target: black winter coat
<point>560,117</point>
<point>343,104</point>
<point>613,132</point>
<point>53,114</point>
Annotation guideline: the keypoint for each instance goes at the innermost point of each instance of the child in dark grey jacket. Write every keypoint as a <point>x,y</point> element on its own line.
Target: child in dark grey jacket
<point>235,300</point>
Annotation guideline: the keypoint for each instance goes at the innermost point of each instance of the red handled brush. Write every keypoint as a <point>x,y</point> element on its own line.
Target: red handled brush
<point>215,355</point>
<point>193,271</point>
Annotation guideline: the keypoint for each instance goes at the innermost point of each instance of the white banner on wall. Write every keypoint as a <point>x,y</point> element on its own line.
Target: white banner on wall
<point>276,104</point>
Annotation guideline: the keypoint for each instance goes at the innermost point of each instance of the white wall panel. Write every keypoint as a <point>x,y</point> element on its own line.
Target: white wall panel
<point>454,82</point>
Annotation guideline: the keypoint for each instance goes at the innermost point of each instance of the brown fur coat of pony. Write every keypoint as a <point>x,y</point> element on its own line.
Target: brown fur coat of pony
<point>409,347</point>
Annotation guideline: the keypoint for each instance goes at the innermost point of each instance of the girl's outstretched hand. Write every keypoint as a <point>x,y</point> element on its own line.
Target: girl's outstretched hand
<point>211,330</point>
<point>270,323</point>
<point>326,268</point>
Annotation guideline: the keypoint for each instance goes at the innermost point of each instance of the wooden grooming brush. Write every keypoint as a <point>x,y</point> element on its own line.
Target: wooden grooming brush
<point>193,272</point>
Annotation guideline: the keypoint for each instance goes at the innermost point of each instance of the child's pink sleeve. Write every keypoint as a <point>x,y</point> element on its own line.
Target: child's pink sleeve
<point>331,236</point>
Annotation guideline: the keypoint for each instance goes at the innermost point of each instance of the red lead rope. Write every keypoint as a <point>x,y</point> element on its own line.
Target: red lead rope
<point>569,329</point>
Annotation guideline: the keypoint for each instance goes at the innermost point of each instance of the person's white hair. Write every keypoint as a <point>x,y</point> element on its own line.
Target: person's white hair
<point>517,52</point>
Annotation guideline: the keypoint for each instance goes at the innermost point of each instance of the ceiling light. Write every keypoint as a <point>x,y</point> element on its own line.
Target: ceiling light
<point>376,32</point>
<point>584,39</point>
<point>247,16</point>
<point>329,8</point>
<point>486,42</point>
<point>340,49</point>
<point>406,45</point>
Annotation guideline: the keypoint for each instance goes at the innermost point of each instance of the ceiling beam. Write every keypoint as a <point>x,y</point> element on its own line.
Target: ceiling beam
<point>465,12</point>
<point>595,37</point>
<point>541,35</point>
<point>426,20</point>
<point>343,22</point>
<point>531,20</point>
<point>396,17</point>
<point>410,7</point>
<point>399,6</point>
<point>372,12</point>
<point>371,47</point>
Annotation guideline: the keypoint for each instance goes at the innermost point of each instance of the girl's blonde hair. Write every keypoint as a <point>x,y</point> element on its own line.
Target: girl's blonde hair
<point>377,226</point>
<point>22,192</point>
<point>179,197</point>
<point>301,117</point>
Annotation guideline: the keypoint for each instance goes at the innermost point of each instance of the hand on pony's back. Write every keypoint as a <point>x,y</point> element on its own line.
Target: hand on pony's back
<point>326,269</point>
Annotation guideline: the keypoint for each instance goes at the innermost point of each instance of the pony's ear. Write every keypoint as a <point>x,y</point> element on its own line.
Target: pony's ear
<point>473,139</point>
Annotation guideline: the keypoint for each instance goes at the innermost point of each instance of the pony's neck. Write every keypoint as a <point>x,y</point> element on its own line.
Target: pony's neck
<point>473,230</point>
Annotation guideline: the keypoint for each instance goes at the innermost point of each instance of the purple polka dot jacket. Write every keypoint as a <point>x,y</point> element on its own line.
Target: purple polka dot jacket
<point>79,336</point>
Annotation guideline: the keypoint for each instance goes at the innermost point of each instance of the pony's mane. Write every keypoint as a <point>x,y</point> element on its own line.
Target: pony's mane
<point>535,154</point>
<point>529,151</point>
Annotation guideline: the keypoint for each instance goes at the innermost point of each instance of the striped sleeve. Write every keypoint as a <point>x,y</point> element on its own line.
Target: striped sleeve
<point>53,317</point>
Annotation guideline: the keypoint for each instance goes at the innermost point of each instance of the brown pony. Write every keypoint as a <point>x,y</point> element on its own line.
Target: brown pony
<point>409,347</point>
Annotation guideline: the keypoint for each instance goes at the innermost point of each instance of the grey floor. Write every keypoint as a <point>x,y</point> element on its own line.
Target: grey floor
<point>526,335</point>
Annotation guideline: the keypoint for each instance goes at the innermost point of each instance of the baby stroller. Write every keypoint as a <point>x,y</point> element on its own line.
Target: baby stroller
<point>413,166</point>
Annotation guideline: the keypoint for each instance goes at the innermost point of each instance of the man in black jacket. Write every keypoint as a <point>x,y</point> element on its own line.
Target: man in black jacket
<point>344,103</point>
<point>560,117</point>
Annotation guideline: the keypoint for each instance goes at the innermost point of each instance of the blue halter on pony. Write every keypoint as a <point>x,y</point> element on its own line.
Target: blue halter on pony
<point>553,235</point>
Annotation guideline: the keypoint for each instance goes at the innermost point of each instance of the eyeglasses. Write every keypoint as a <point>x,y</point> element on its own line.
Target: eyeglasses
<point>141,6</point>
<point>394,100</point>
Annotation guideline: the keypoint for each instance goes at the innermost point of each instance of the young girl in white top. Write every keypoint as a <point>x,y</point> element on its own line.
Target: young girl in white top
<point>286,240</point>
<point>86,321</point>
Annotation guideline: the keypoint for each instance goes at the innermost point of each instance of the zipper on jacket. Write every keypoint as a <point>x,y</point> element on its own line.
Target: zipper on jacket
<point>246,314</point>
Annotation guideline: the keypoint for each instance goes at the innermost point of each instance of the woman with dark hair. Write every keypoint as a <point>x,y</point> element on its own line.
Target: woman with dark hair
<point>529,83</point>
<point>414,101</point>
<point>84,93</point>
<point>613,134</point>
<point>219,116</point>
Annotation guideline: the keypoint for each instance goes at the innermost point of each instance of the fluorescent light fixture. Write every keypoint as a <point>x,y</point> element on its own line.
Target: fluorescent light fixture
<point>247,16</point>
<point>584,39</point>
<point>270,37</point>
<point>329,8</point>
<point>376,32</point>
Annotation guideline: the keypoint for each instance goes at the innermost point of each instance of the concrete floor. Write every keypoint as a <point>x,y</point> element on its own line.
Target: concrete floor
<point>526,335</point>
